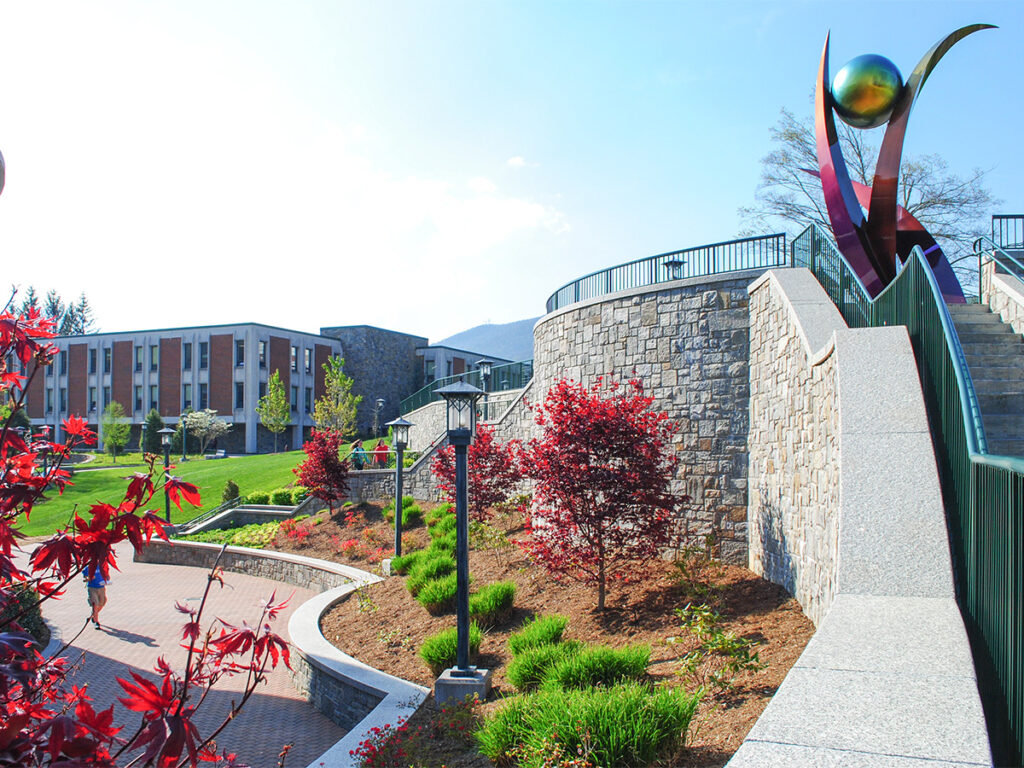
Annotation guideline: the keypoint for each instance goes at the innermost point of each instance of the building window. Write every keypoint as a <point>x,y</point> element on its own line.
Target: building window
<point>263,354</point>
<point>308,359</point>
<point>186,397</point>
<point>239,395</point>
<point>49,399</point>
<point>139,352</point>
<point>106,396</point>
<point>92,360</point>
<point>309,400</point>
<point>138,397</point>
<point>295,397</point>
<point>49,370</point>
<point>154,396</point>
<point>449,368</point>
<point>63,399</point>
<point>106,360</point>
<point>204,396</point>
<point>204,355</point>
<point>92,399</point>
<point>295,359</point>
<point>428,371</point>
<point>263,389</point>
<point>63,362</point>
<point>239,353</point>
<point>154,357</point>
<point>186,356</point>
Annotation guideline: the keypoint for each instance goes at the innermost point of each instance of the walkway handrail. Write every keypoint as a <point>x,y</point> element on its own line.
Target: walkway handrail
<point>200,519</point>
<point>1000,256</point>
<point>763,251</point>
<point>983,493</point>
<point>503,378</point>
<point>1008,230</point>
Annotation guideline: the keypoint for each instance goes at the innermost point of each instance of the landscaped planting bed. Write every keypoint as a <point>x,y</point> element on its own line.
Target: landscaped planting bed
<point>657,617</point>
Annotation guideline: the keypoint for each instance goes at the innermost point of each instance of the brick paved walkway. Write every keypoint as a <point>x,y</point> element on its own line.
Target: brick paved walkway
<point>140,624</point>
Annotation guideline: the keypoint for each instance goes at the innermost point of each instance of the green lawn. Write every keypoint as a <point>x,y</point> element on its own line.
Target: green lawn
<point>252,473</point>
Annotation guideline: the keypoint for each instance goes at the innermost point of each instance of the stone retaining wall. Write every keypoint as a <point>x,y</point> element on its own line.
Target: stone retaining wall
<point>688,341</point>
<point>1004,294</point>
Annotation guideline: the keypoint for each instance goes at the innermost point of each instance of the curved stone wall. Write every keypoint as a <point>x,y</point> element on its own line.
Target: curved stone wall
<point>688,341</point>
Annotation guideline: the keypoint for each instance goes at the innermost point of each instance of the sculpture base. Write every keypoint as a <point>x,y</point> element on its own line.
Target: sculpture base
<point>454,685</point>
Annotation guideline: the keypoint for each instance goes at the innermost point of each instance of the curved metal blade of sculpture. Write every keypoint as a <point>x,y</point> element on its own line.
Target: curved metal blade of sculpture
<point>874,244</point>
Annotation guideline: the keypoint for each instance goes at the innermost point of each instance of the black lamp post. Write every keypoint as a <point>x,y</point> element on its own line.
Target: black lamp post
<point>165,441</point>
<point>142,439</point>
<point>484,366</point>
<point>184,438</point>
<point>376,416</point>
<point>400,432</point>
<point>460,401</point>
<point>675,268</point>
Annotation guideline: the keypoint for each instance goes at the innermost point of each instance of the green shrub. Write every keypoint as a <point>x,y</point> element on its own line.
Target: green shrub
<point>407,501</point>
<point>628,725</point>
<point>281,497</point>
<point>404,564</point>
<point>438,595</point>
<point>230,491</point>
<point>493,603</point>
<point>531,666</point>
<point>439,651</point>
<point>542,630</point>
<point>428,569</point>
<point>258,497</point>
<point>600,665</point>
<point>443,544</point>
<point>31,621</point>
<point>299,494</point>
<point>412,515</point>
<point>442,527</point>
<point>437,513</point>
<point>256,535</point>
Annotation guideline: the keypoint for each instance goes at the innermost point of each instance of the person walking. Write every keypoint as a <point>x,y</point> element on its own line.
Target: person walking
<point>97,588</point>
<point>358,454</point>
<point>380,455</point>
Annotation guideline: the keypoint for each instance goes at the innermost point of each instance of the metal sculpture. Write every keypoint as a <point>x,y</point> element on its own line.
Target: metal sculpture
<point>866,93</point>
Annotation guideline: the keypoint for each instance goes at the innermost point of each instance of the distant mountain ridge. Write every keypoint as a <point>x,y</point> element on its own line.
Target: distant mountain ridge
<point>512,341</point>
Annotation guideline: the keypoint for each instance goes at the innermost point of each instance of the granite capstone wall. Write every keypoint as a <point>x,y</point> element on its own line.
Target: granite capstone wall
<point>1004,294</point>
<point>688,342</point>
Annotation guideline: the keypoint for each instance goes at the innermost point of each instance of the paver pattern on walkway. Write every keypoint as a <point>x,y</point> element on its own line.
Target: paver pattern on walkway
<point>140,623</point>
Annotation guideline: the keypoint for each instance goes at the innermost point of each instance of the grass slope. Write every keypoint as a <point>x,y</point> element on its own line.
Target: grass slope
<point>252,473</point>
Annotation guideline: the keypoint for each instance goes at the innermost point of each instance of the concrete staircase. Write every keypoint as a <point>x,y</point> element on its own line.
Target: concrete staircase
<point>995,358</point>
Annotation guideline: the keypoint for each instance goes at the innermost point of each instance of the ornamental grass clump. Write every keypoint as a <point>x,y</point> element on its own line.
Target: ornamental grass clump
<point>531,666</point>
<point>541,630</point>
<point>442,527</point>
<point>404,564</point>
<point>444,543</point>
<point>599,666</point>
<point>439,651</point>
<point>493,603</point>
<point>438,595</point>
<point>438,512</point>
<point>627,726</point>
<point>427,569</point>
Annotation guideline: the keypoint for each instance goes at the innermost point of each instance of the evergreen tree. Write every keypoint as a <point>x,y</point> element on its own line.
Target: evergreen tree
<point>69,322</point>
<point>53,307</point>
<point>274,409</point>
<point>84,320</point>
<point>153,443</point>
<point>31,301</point>
<point>336,410</point>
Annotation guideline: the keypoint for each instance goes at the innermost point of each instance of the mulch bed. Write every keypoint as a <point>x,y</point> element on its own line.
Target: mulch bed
<point>384,626</point>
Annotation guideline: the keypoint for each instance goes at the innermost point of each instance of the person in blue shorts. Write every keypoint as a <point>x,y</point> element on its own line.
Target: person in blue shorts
<point>97,587</point>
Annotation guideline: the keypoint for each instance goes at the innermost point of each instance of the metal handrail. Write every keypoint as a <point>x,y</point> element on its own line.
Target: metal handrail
<point>503,378</point>
<point>1000,256</point>
<point>200,519</point>
<point>983,493</point>
<point>763,251</point>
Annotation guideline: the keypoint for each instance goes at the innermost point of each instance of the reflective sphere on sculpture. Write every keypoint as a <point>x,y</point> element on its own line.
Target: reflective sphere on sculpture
<point>866,90</point>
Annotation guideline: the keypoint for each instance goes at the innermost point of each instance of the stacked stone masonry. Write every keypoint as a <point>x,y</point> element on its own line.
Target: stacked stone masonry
<point>1004,294</point>
<point>794,456</point>
<point>688,342</point>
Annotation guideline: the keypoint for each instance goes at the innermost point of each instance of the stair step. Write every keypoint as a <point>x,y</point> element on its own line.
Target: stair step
<point>995,386</point>
<point>1015,347</point>
<point>996,334</point>
<point>1008,424</point>
<point>1001,404</point>
<point>968,309</point>
<point>977,364</point>
<point>996,372</point>
<point>975,321</point>
<point>1006,447</point>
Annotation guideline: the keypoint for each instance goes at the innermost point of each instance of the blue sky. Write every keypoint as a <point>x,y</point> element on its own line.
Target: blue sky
<point>300,163</point>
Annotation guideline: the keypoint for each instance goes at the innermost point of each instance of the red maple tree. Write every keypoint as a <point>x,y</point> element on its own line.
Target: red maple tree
<point>45,720</point>
<point>324,472</point>
<point>492,468</point>
<point>603,470</point>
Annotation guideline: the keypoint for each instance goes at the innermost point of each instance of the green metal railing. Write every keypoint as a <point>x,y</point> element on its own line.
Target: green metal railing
<point>985,247</point>
<point>503,377</point>
<point>1008,230</point>
<point>765,251</point>
<point>983,493</point>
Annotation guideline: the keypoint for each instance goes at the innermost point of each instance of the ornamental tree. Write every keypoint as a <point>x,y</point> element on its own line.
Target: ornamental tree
<point>206,426</point>
<point>324,472</point>
<point>337,408</point>
<point>492,469</point>
<point>46,720</point>
<point>603,470</point>
<point>274,410</point>
<point>115,428</point>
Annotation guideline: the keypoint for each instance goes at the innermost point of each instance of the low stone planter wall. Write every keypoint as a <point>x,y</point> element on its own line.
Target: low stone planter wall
<point>352,694</point>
